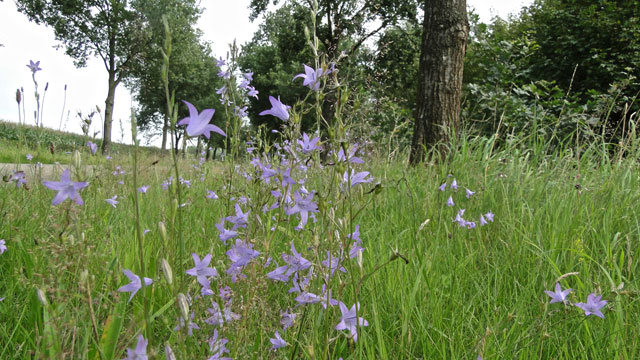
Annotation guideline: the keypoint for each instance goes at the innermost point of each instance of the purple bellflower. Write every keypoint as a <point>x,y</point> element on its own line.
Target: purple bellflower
<point>140,352</point>
<point>296,262</point>
<point>34,66</point>
<point>454,185</point>
<point>66,188</point>
<point>278,342</point>
<point>201,270</point>
<point>307,298</point>
<point>356,178</point>
<point>198,124</point>
<point>307,145</point>
<point>239,219</point>
<point>469,193</point>
<point>351,157</point>
<point>252,92</point>
<point>3,246</point>
<point>113,201</point>
<point>143,189</point>
<point>212,195</point>
<point>241,254</point>
<point>190,325</point>
<point>356,246</point>
<point>217,347</point>
<point>29,157</point>
<point>287,319</point>
<point>311,78</point>
<point>303,206</point>
<point>93,147</point>
<point>348,321</point>
<point>135,283</point>
<point>489,216</point>
<point>558,295</point>
<point>18,177</point>
<point>278,109</point>
<point>224,233</point>
<point>450,201</point>
<point>593,305</point>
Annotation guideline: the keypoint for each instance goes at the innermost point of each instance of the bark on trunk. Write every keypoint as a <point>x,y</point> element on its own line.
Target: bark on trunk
<point>165,129</point>
<point>108,114</point>
<point>444,38</point>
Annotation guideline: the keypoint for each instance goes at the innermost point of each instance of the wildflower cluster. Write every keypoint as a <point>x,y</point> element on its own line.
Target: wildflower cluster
<point>593,306</point>
<point>459,219</point>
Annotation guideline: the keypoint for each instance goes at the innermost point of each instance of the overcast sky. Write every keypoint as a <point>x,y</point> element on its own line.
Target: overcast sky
<point>222,22</point>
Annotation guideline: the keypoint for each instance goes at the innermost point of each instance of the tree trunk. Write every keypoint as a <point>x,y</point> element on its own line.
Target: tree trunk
<point>165,129</point>
<point>444,38</point>
<point>108,114</point>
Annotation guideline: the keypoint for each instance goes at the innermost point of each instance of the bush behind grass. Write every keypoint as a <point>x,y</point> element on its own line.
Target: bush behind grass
<point>464,292</point>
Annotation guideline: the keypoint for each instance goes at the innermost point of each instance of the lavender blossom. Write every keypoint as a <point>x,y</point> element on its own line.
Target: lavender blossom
<point>34,66</point>
<point>224,233</point>
<point>593,305</point>
<point>307,145</point>
<point>93,147</point>
<point>278,109</point>
<point>287,319</point>
<point>348,321</point>
<point>201,270</point>
<point>3,246</point>
<point>212,195</point>
<point>198,124</point>
<point>112,201</point>
<point>66,188</point>
<point>303,206</point>
<point>140,352</point>
<point>558,295</point>
<point>278,342</point>
<point>143,189</point>
<point>311,78</point>
<point>19,178</point>
<point>241,254</point>
<point>135,283</point>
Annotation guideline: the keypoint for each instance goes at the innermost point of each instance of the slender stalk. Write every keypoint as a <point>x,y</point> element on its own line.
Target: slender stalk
<point>46,87</point>
<point>136,199</point>
<point>64,103</point>
<point>172,113</point>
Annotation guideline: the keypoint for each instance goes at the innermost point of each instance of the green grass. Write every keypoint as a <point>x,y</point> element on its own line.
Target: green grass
<point>18,140</point>
<point>463,293</point>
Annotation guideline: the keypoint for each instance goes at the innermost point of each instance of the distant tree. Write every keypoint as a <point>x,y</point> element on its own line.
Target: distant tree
<point>343,26</point>
<point>109,29</point>
<point>444,36</point>
<point>192,69</point>
<point>396,63</point>
<point>276,52</point>
<point>600,37</point>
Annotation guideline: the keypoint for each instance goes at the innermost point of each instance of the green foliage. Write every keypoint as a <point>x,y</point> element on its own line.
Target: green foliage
<point>463,293</point>
<point>192,69</point>
<point>601,38</point>
<point>275,55</point>
<point>518,75</point>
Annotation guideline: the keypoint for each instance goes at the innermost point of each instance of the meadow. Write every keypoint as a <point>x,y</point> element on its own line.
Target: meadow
<point>318,247</point>
<point>428,287</point>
